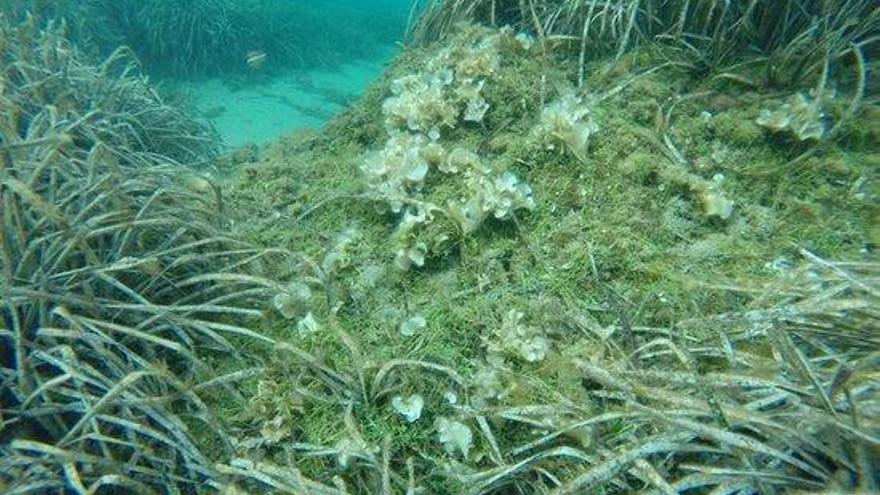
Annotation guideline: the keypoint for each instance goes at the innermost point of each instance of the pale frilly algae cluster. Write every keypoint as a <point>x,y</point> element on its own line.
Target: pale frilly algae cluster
<point>801,116</point>
<point>295,301</point>
<point>422,108</point>
<point>567,121</point>
<point>517,339</point>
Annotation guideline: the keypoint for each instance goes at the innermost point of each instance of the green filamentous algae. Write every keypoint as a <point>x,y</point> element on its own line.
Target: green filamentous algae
<point>442,247</point>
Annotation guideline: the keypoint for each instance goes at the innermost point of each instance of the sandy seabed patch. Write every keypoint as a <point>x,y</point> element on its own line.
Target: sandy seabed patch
<point>259,108</point>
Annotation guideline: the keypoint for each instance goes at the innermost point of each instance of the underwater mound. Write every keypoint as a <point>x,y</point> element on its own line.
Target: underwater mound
<point>559,247</point>
<point>524,273</point>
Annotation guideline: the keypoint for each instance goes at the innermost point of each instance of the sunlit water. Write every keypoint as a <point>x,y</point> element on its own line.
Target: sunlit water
<point>261,105</point>
<point>260,109</point>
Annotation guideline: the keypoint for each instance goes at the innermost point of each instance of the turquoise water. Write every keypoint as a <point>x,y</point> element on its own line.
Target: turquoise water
<point>260,110</point>
<point>354,40</point>
<point>255,69</point>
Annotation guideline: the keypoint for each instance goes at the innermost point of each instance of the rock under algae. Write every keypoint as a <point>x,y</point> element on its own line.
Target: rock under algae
<point>650,241</point>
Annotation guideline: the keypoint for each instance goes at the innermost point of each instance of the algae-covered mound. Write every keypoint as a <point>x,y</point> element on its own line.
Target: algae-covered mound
<point>528,266</point>
<point>563,246</point>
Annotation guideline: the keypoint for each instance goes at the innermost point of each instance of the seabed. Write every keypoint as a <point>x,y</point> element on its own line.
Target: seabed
<point>535,255</point>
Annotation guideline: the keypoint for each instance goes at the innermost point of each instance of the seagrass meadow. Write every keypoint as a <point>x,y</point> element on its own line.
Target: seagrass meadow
<point>557,247</point>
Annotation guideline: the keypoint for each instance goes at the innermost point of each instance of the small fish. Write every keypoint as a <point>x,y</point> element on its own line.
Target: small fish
<point>255,59</point>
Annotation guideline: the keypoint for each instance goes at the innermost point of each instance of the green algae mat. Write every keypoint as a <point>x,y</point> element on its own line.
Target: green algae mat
<point>512,284</point>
